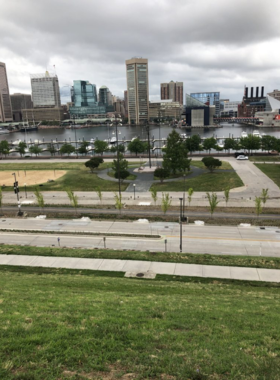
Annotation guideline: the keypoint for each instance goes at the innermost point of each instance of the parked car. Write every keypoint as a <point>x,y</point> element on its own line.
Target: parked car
<point>236,154</point>
<point>241,157</point>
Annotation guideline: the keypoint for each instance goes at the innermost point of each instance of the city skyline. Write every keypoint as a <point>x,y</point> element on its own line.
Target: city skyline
<point>218,48</point>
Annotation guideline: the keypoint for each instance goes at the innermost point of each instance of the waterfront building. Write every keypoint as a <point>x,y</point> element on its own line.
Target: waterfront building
<point>119,107</point>
<point>208,98</point>
<point>37,115</point>
<point>104,96</point>
<point>45,90</point>
<point>274,94</point>
<point>252,104</point>
<point>229,108</point>
<point>19,103</point>
<point>197,113</point>
<point>271,116</point>
<point>173,91</point>
<point>5,101</point>
<point>137,90</point>
<point>165,110</point>
<point>83,94</point>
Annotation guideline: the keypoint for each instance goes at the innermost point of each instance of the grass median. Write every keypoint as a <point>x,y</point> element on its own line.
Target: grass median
<point>61,324</point>
<point>171,257</point>
<point>272,171</point>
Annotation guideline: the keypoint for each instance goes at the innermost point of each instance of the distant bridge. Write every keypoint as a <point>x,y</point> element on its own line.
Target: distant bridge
<point>238,120</point>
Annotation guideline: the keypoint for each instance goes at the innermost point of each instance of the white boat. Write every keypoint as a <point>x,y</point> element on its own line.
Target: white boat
<point>256,133</point>
<point>2,131</point>
<point>244,134</point>
<point>92,140</point>
<point>16,142</point>
<point>113,140</point>
<point>134,138</point>
<point>183,135</point>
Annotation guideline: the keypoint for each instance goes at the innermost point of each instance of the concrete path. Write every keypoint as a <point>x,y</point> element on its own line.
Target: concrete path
<point>173,269</point>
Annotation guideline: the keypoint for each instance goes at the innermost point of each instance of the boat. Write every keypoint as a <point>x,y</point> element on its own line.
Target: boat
<point>183,135</point>
<point>244,134</point>
<point>256,133</point>
<point>134,138</point>
<point>92,140</point>
<point>3,131</point>
<point>113,140</point>
<point>29,128</point>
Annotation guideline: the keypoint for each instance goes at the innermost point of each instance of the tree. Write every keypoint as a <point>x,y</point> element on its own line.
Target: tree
<point>250,143</point>
<point>229,144</point>
<point>21,148</point>
<point>73,199</point>
<point>123,174</point>
<point>40,198</point>
<point>119,164</point>
<point>99,193</point>
<point>67,149</point>
<point>35,149</point>
<point>83,147</point>
<point>93,163</point>
<point>165,202</point>
<point>211,163</point>
<point>190,193</point>
<point>4,147</point>
<point>264,196</point>
<point>100,146</point>
<point>118,202</point>
<point>213,202</point>
<point>193,143</point>
<point>268,143</point>
<point>137,146</point>
<point>226,193</point>
<point>153,192</point>
<point>258,205</point>
<point>175,154</point>
<point>161,173</point>
<point>51,149</point>
<point>120,148</point>
<point>209,143</point>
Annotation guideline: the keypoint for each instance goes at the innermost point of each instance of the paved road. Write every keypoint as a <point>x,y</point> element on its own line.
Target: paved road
<point>251,241</point>
<point>145,268</point>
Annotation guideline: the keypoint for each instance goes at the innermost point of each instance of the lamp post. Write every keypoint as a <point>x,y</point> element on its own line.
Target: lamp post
<point>134,189</point>
<point>149,148</point>
<point>118,154</point>
<point>16,189</point>
<point>181,199</point>
<point>25,190</point>
<point>184,195</point>
<point>75,130</point>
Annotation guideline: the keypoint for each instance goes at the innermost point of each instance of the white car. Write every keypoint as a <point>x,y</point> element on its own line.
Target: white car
<point>241,157</point>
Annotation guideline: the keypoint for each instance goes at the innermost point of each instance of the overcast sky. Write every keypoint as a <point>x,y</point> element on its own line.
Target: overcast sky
<point>209,45</point>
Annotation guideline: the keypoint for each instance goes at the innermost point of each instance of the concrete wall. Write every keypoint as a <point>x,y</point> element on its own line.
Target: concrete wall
<point>197,117</point>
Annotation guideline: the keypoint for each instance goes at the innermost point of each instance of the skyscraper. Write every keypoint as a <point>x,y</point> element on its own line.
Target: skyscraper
<point>5,101</point>
<point>20,102</point>
<point>83,94</point>
<point>45,90</point>
<point>137,90</point>
<point>172,90</point>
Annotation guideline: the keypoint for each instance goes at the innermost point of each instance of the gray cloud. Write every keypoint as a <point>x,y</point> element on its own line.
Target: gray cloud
<point>213,45</point>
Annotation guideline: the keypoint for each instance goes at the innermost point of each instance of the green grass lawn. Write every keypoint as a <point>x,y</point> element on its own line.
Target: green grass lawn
<point>199,164</point>
<point>62,324</point>
<point>131,177</point>
<point>77,177</point>
<point>205,182</point>
<point>171,257</point>
<point>272,171</point>
<point>264,158</point>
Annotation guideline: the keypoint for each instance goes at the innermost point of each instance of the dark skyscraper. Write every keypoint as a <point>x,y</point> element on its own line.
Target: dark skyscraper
<point>5,101</point>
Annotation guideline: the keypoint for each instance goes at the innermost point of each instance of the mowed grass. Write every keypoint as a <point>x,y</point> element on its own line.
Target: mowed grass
<point>59,324</point>
<point>272,171</point>
<point>171,257</point>
<point>264,158</point>
<point>199,164</point>
<point>217,181</point>
<point>77,178</point>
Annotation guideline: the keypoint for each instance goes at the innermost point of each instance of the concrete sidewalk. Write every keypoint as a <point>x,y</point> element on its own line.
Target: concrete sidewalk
<point>145,267</point>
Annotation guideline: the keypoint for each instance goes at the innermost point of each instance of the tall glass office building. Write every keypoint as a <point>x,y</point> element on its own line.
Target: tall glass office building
<point>209,98</point>
<point>83,94</point>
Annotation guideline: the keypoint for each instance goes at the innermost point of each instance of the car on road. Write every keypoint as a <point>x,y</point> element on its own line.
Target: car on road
<point>241,157</point>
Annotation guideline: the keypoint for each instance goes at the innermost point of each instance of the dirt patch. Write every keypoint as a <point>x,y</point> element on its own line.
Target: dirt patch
<point>30,177</point>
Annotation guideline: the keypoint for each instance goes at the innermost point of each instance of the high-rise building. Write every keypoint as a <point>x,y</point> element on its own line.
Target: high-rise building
<point>125,104</point>
<point>209,98</point>
<point>83,94</point>
<point>173,91</point>
<point>20,102</point>
<point>45,90</point>
<point>104,97</point>
<point>137,90</point>
<point>5,101</point>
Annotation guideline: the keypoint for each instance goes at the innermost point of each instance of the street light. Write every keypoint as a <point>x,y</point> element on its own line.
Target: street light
<point>184,175</point>
<point>25,190</point>
<point>17,191</point>
<point>118,153</point>
<point>181,199</point>
<point>134,189</point>
<point>149,148</point>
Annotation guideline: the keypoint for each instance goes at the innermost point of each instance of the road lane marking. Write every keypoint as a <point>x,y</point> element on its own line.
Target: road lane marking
<point>221,238</point>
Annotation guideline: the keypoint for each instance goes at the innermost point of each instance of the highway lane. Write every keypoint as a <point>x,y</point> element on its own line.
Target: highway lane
<point>206,239</point>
